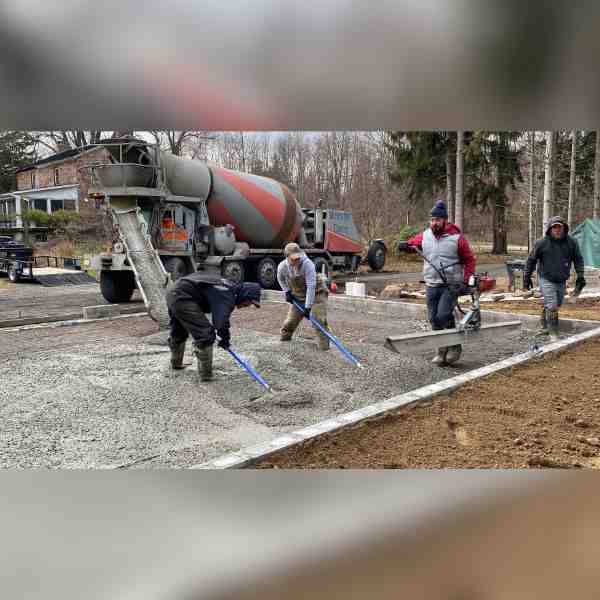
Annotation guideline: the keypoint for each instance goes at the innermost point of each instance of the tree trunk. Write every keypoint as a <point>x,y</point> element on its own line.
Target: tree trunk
<point>572,189</point>
<point>450,178</point>
<point>500,244</point>
<point>460,179</point>
<point>597,177</point>
<point>531,238</point>
<point>548,176</point>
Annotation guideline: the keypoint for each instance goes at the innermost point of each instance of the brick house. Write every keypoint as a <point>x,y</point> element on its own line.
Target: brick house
<point>50,184</point>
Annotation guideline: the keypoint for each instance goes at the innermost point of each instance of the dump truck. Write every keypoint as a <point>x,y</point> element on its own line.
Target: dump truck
<point>173,216</point>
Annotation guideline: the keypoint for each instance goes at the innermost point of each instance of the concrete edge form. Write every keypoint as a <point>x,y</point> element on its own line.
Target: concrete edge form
<point>246,457</point>
<point>393,309</point>
<point>84,314</point>
<point>51,325</point>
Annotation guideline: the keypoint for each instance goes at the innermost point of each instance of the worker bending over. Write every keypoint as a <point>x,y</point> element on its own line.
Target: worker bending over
<point>189,300</point>
<point>298,279</point>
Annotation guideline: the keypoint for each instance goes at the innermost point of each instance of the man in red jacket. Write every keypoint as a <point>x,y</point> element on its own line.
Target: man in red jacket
<point>449,262</point>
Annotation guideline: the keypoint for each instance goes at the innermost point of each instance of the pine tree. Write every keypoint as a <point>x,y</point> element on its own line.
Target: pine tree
<point>16,150</point>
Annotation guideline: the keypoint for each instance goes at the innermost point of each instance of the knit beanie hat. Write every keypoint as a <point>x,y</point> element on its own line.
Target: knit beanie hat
<point>439,210</point>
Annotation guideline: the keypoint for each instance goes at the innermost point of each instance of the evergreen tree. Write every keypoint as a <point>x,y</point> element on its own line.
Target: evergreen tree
<point>16,150</point>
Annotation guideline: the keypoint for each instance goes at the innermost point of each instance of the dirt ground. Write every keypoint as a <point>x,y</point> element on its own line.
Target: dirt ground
<point>586,308</point>
<point>544,414</point>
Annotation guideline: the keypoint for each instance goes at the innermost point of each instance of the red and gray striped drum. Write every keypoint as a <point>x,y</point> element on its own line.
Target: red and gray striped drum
<point>264,212</point>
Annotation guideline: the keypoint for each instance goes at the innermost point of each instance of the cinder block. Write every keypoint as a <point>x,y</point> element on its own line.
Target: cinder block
<point>101,311</point>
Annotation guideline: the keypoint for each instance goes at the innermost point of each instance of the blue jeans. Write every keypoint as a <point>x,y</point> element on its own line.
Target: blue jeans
<point>554,293</point>
<point>440,307</point>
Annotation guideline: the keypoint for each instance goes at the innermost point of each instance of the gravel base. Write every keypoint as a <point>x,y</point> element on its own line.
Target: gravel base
<point>103,395</point>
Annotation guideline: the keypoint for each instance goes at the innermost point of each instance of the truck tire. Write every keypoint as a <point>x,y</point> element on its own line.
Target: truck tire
<point>117,286</point>
<point>233,270</point>
<point>319,262</point>
<point>266,273</point>
<point>376,256</point>
<point>13,274</point>
<point>176,266</point>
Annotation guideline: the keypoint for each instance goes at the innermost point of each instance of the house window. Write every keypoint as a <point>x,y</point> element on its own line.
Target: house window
<point>56,205</point>
<point>33,179</point>
<point>56,177</point>
<point>69,205</point>
<point>40,204</point>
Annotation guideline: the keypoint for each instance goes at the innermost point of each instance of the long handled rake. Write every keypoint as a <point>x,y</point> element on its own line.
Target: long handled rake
<point>249,370</point>
<point>337,343</point>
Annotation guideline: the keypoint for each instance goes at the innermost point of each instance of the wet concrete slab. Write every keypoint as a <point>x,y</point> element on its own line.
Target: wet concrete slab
<point>103,395</point>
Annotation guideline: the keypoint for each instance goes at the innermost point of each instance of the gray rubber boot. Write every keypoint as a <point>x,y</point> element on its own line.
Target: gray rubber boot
<point>552,317</point>
<point>204,354</point>
<point>440,358</point>
<point>543,322</point>
<point>453,354</point>
<point>177,352</point>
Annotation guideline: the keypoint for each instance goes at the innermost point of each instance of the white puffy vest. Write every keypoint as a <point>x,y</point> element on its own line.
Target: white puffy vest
<point>443,253</point>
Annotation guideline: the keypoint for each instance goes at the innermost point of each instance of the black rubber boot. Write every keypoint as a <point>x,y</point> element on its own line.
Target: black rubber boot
<point>552,317</point>
<point>440,358</point>
<point>177,352</point>
<point>453,354</point>
<point>204,354</point>
<point>543,322</point>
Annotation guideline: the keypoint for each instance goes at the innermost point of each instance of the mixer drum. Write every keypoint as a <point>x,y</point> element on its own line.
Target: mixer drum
<point>263,212</point>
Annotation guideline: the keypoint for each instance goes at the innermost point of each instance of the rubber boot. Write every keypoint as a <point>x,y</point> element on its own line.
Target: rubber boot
<point>453,354</point>
<point>177,352</point>
<point>543,322</point>
<point>440,358</point>
<point>323,339</point>
<point>204,354</point>
<point>552,317</point>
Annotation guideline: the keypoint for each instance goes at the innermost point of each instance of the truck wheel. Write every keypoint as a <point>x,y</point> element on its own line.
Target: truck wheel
<point>233,270</point>
<point>319,262</point>
<point>376,256</point>
<point>13,274</point>
<point>266,273</point>
<point>117,286</point>
<point>176,266</point>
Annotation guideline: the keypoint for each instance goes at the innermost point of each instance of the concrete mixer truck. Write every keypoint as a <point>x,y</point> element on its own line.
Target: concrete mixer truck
<point>175,215</point>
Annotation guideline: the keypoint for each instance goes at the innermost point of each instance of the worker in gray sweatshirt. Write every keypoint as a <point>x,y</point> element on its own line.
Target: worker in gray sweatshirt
<point>298,279</point>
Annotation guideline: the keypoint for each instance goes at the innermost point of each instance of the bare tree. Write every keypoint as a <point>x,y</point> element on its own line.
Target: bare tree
<point>572,176</point>
<point>460,179</point>
<point>548,177</point>
<point>181,143</point>
<point>531,227</point>
<point>451,176</point>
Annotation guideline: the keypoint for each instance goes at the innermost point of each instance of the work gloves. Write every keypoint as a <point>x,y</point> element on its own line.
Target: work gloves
<point>289,297</point>
<point>579,284</point>
<point>460,289</point>
<point>224,343</point>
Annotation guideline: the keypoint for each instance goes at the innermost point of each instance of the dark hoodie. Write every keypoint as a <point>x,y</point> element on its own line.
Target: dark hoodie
<point>215,295</point>
<point>554,257</point>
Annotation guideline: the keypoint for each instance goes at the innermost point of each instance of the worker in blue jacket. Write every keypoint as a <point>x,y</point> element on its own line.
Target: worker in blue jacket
<point>188,302</point>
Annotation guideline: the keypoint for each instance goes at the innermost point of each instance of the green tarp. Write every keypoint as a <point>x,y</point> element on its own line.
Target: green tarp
<point>587,235</point>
